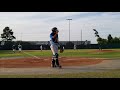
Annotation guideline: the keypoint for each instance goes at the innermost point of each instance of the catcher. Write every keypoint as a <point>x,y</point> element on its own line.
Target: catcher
<point>54,44</point>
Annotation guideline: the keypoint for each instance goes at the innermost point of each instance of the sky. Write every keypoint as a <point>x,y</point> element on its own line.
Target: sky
<point>36,26</point>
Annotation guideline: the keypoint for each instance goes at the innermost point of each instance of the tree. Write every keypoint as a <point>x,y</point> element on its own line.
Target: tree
<point>7,34</point>
<point>104,41</point>
<point>99,39</point>
<point>115,40</point>
<point>96,33</point>
<point>110,38</point>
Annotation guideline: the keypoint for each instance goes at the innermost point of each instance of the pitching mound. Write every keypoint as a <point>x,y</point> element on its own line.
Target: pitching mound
<point>106,50</point>
<point>46,62</point>
<point>102,51</point>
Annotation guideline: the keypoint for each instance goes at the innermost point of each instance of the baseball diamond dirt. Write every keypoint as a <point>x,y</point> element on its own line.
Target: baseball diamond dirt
<point>84,61</point>
<point>45,62</point>
<point>42,66</point>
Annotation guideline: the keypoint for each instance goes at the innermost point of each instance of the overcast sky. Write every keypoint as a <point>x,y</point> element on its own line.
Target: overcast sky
<point>36,26</point>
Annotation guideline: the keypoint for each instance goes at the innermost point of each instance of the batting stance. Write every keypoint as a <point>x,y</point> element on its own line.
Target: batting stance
<point>54,47</point>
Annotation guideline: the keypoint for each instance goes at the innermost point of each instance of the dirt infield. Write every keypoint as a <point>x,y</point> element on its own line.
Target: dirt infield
<point>46,62</point>
<point>105,51</point>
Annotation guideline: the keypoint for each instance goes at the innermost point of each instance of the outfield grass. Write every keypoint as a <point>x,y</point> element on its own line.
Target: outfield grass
<point>88,53</point>
<point>107,74</point>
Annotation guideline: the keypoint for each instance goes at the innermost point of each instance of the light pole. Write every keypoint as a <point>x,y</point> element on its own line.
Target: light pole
<point>81,36</point>
<point>69,28</point>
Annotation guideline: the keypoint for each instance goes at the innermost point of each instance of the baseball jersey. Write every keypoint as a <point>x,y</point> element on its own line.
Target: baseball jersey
<point>53,40</point>
<point>19,46</point>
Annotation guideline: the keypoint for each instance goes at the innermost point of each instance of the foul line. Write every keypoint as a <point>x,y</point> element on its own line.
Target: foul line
<point>32,55</point>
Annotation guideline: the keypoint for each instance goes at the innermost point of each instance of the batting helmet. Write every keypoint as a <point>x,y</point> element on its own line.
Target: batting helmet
<point>54,29</point>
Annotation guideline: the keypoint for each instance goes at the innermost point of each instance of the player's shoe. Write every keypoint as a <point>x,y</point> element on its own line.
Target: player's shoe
<point>53,66</point>
<point>59,66</point>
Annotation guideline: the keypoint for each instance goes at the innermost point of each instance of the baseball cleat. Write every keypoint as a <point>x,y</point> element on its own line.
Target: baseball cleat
<point>59,66</point>
<point>53,66</point>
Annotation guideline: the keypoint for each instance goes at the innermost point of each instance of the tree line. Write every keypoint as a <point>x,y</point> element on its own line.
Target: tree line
<point>8,36</point>
<point>109,40</point>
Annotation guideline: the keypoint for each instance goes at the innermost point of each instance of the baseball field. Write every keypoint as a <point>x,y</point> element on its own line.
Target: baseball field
<point>81,63</point>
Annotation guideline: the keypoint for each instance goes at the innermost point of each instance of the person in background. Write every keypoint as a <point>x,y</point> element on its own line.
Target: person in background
<point>41,48</point>
<point>13,48</point>
<point>20,48</point>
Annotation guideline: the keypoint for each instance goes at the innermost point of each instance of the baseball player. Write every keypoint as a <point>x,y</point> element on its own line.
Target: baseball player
<point>54,43</point>
<point>13,48</point>
<point>41,47</point>
<point>63,47</point>
<point>20,48</point>
<point>74,47</point>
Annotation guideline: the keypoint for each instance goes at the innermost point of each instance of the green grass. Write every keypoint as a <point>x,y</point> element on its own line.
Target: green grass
<point>107,74</point>
<point>8,53</point>
<point>88,53</point>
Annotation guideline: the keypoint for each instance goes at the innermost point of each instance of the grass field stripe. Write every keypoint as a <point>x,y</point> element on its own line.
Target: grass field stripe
<point>31,55</point>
